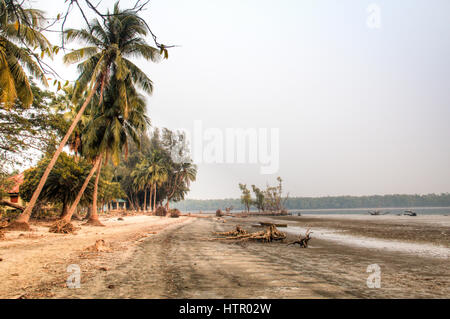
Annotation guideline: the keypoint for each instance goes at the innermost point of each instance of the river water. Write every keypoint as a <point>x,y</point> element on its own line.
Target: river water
<point>364,211</point>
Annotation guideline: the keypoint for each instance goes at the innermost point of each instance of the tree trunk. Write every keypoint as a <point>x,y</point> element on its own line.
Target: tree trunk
<point>175,184</point>
<point>150,195</point>
<point>64,211</point>
<point>13,205</point>
<point>154,197</point>
<point>22,221</point>
<point>136,201</point>
<point>93,219</point>
<point>88,214</point>
<point>145,199</point>
<point>76,215</point>
<point>68,217</point>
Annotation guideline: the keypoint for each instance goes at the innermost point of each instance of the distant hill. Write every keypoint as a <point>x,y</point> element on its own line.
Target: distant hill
<point>331,202</point>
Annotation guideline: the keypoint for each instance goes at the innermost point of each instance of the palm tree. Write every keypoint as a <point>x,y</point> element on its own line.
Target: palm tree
<point>159,174</point>
<point>181,179</point>
<point>141,179</point>
<point>108,134</point>
<point>103,60</point>
<point>19,31</point>
<point>64,103</point>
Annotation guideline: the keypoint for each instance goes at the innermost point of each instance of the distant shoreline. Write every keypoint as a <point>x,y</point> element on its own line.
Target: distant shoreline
<point>397,201</point>
<point>354,211</point>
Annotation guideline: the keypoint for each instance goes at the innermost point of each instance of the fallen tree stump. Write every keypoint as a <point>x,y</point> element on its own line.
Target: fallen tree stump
<point>303,241</point>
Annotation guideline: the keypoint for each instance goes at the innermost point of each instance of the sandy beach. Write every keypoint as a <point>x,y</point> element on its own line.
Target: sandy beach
<point>154,257</point>
<point>33,263</point>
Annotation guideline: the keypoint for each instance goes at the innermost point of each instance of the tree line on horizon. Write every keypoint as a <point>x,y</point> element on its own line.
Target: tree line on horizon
<point>328,202</point>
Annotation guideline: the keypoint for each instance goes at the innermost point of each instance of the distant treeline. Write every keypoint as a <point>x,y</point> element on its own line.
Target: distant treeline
<point>336,202</point>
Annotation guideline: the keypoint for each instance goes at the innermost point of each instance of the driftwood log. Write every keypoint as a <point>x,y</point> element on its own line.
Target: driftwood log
<point>270,234</point>
<point>237,232</point>
<point>303,241</point>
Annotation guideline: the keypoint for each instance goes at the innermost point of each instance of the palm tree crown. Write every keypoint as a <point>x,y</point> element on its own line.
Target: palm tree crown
<point>19,35</point>
<point>109,47</point>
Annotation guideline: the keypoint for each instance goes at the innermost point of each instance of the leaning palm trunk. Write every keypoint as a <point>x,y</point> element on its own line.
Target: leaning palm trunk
<point>21,223</point>
<point>68,217</point>
<point>93,219</point>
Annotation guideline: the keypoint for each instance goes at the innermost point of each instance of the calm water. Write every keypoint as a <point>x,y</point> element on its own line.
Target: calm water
<point>364,211</point>
<point>359,211</point>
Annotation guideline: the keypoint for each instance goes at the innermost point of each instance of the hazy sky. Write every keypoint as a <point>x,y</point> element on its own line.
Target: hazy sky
<point>359,110</point>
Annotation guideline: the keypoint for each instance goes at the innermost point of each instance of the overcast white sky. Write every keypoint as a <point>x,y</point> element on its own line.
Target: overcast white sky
<point>360,111</point>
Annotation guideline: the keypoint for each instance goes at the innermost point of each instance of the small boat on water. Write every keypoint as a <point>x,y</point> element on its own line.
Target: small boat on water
<point>410,213</point>
<point>263,224</point>
<point>377,213</point>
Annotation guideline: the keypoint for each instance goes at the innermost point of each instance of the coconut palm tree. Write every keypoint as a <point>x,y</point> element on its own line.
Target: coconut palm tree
<point>105,58</point>
<point>108,133</point>
<point>182,177</point>
<point>19,31</point>
<point>64,103</point>
<point>141,179</point>
<point>159,174</point>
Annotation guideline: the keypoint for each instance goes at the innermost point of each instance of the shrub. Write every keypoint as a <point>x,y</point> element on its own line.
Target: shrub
<point>161,211</point>
<point>175,213</point>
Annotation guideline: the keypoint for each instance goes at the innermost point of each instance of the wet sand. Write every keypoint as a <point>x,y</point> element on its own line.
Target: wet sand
<point>183,262</point>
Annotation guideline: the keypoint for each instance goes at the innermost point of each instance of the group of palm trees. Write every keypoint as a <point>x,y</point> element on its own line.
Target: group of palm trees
<point>107,110</point>
<point>157,172</point>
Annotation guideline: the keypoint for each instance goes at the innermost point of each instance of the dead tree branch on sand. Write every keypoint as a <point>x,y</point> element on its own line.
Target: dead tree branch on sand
<point>270,234</point>
<point>303,241</point>
<point>62,227</point>
<point>237,232</point>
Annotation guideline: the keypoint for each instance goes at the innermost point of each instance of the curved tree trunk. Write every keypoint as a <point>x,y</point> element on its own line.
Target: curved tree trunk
<point>22,221</point>
<point>93,219</point>
<point>74,205</point>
